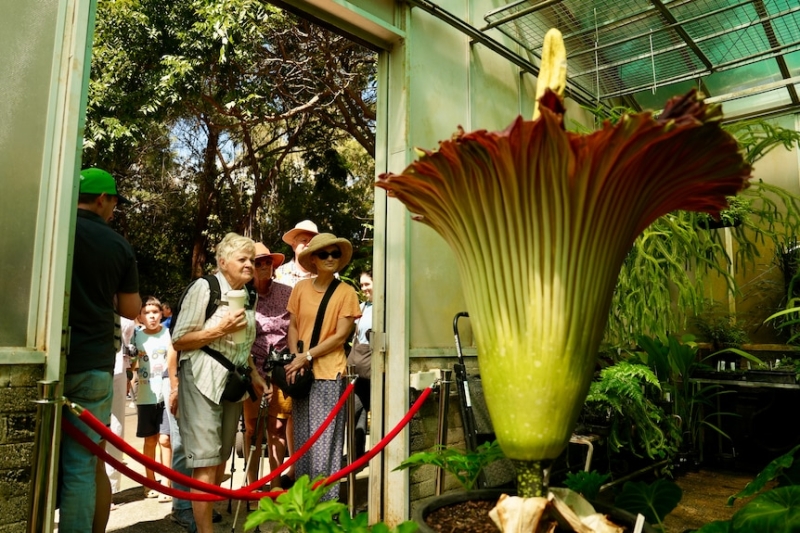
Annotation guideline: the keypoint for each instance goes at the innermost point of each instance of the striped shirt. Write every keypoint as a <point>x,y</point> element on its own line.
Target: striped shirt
<point>210,375</point>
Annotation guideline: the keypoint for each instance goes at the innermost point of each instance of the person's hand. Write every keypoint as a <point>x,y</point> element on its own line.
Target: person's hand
<point>297,365</point>
<point>261,387</point>
<point>233,321</point>
<point>173,402</point>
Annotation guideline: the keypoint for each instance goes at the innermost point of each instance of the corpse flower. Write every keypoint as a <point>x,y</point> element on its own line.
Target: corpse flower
<point>540,220</point>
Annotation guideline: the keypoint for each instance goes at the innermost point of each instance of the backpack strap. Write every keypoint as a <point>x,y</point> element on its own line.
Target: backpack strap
<point>215,294</point>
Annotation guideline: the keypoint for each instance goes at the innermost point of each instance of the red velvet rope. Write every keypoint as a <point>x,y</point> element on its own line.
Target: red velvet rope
<point>215,492</point>
<point>355,465</point>
<point>98,450</point>
<point>118,442</point>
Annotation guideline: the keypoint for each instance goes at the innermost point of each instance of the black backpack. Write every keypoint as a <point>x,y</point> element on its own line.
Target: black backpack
<point>214,300</point>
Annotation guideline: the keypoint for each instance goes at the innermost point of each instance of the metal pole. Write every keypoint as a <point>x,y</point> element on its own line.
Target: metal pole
<point>351,443</point>
<point>441,437</point>
<point>45,458</point>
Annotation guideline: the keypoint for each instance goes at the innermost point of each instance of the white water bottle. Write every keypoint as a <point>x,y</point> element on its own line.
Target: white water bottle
<point>236,302</point>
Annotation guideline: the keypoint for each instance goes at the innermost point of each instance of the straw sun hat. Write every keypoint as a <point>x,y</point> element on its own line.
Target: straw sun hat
<point>263,251</point>
<point>323,240</point>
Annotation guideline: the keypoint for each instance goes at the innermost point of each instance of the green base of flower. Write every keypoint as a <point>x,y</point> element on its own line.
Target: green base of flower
<point>530,478</point>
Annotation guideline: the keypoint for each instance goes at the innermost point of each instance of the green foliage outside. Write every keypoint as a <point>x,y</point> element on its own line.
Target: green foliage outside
<point>228,116</point>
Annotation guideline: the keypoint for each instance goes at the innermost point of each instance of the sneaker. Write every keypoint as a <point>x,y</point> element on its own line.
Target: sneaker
<point>215,516</point>
<point>184,518</point>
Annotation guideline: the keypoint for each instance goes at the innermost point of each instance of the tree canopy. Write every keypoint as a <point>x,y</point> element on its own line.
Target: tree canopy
<point>228,115</point>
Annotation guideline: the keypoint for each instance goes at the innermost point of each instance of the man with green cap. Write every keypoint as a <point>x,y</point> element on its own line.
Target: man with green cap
<point>105,278</point>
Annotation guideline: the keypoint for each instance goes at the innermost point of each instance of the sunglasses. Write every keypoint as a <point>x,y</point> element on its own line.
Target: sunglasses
<point>263,262</point>
<point>336,254</point>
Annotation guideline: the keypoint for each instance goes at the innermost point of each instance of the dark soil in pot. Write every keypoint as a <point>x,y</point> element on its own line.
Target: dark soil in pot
<point>468,512</point>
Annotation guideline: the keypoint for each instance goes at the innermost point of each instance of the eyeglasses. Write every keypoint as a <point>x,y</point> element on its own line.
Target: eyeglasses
<point>262,263</point>
<point>336,254</point>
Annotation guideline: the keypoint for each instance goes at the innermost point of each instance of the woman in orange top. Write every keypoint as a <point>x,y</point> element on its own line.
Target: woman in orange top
<point>324,256</point>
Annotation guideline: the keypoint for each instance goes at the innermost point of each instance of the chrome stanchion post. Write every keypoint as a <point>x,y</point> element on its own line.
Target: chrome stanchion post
<point>351,443</point>
<point>441,437</point>
<point>45,458</point>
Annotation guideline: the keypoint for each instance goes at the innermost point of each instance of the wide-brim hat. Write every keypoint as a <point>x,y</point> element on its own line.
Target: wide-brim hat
<point>263,251</point>
<point>305,226</point>
<point>98,181</point>
<point>323,240</point>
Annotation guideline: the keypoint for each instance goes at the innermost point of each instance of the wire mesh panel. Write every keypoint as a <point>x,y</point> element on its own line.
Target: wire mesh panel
<point>622,47</point>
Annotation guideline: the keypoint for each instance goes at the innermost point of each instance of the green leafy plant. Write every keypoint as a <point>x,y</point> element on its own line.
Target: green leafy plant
<point>665,275</point>
<point>586,483</point>
<point>739,208</point>
<point>721,330</point>
<point>693,405</point>
<point>637,422</point>
<point>654,501</point>
<point>777,509</point>
<point>463,465</point>
<point>299,510</point>
<point>788,318</point>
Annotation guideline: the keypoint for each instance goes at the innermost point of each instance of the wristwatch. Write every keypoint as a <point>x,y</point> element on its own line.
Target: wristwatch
<point>308,356</point>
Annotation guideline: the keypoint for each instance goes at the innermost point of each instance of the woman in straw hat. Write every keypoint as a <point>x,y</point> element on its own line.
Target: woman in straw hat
<point>324,256</point>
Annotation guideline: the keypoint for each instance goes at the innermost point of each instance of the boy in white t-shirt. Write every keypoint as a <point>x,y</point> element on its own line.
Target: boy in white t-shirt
<point>153,344</point>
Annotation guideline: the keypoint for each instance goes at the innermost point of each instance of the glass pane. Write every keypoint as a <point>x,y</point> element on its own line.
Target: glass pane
<point>756,103</point>
<point>738,79</point>
<point>654,101</point>
<point>793,62</point>
<point>26,65</point>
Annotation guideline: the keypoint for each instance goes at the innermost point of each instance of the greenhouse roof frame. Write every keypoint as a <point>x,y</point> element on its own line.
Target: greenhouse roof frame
<point>746,52</point>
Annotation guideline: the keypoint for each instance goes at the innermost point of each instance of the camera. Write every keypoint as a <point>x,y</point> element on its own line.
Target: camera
<point>277,358</point>
<point>130,350</point>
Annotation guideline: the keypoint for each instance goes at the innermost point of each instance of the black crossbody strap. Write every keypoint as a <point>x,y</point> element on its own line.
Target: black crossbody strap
<point>221,359</point>
<point>321,312</point>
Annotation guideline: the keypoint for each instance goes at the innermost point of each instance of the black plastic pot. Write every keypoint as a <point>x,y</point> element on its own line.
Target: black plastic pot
<point>623,518</point>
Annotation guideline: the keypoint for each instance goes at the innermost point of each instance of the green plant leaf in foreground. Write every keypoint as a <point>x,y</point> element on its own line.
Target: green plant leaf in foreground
<point>770,472</point>
<point>299,509</point>
<point>716,527</point>
<point>464,465</point>
<point>776,510</point>
<point>654,501</point>
<point>586,483</point>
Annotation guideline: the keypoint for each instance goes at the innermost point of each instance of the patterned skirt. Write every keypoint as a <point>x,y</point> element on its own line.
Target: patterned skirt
<point>325,456</point>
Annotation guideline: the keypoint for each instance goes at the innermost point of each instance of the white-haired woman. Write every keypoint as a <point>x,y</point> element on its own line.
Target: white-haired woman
<point>324,256</point>
<point>207,421</point>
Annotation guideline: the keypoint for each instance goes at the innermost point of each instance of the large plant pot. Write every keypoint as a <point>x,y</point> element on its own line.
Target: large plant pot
<point>622,518</point>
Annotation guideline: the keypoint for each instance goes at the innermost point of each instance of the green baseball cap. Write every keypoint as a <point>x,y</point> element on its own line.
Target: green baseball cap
<point>98,181</point>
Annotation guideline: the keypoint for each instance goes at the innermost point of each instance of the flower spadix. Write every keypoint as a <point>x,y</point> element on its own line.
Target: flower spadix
<point>540,220</point>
